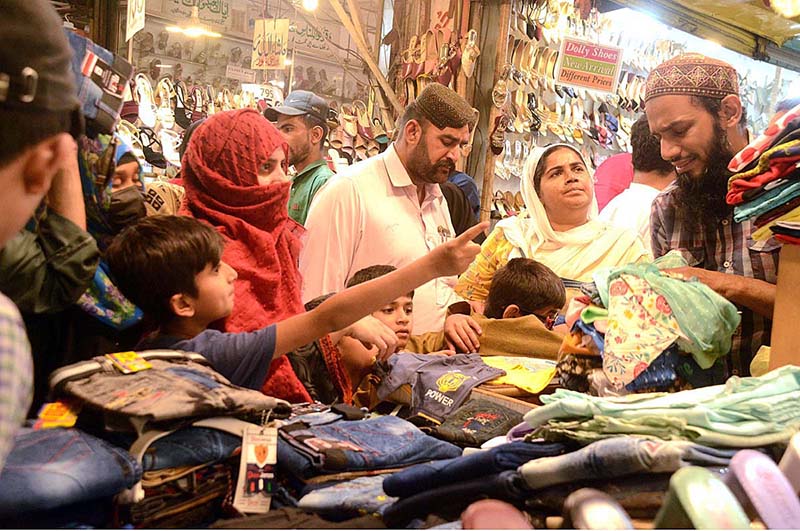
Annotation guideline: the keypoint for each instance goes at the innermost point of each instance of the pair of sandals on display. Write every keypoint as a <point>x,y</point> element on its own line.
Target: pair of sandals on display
<point>437,56</point>
<point>353,133</point>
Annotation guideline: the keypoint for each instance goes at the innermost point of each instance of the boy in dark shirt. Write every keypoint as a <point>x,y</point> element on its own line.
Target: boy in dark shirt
<point>170,267</point>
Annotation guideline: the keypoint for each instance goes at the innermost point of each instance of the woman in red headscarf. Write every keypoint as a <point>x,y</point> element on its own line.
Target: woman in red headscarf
<point>234,172</point>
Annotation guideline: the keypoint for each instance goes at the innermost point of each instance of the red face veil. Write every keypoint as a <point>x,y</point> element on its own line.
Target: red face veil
<point>220,173</point>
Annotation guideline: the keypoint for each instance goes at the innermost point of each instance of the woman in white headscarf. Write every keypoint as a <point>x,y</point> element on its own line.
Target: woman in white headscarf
<point>558,228</point>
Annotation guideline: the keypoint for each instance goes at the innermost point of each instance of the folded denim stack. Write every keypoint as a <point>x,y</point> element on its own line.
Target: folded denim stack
<point>446,487</point>
<point>50,475</point>
<point>362,446</point>
<point>184,496</point>
<point>188,476</point>
<point>349,499</point>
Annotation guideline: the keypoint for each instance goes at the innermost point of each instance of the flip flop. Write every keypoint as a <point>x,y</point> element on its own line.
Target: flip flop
<point>697,499</point>
<point>763,490</point>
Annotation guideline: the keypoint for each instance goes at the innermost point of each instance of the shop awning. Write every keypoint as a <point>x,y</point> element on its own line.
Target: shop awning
<point>744,26</point>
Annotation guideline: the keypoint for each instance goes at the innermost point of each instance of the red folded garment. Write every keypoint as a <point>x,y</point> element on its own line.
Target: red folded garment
<point>779,168</point>
<point>783,238</point>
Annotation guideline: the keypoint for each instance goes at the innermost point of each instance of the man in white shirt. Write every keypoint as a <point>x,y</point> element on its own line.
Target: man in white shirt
<point>389,209</point>
<point>651,174</point>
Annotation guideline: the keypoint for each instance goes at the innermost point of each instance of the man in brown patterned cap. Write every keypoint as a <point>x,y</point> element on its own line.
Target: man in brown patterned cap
<point>693,107</point>
<point>389,209</point>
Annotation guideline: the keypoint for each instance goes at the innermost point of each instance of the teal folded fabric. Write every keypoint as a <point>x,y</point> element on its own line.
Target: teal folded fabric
<point>586,432</point>
<point>767,201</point>
<point>746,407</point>
<point>706,318</point>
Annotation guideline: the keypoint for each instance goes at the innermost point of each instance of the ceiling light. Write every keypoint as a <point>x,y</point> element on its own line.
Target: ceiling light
<point>310,5</point>
<point>786,8</point>
<point>194,28</point>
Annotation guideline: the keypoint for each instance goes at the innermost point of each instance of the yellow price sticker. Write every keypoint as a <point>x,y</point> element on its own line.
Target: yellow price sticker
<point>129,362</point>
<point>61,414</point>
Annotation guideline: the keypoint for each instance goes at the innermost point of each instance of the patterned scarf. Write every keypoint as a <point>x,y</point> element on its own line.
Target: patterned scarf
<point>97,159</point>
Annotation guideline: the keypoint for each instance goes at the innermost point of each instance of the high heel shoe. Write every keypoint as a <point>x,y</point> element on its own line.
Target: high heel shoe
<point>149,141</point>
<point>181,94</point>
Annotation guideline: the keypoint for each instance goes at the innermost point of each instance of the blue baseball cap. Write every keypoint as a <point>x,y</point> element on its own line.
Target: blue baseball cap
<point>298,103</point>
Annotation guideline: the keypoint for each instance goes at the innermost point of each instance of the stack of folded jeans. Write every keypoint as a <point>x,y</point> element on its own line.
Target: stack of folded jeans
<point>187,478</point>
<point>183,496</point>
<point>448,486</point>
<point>368,445</point>
<point>349,499</point>
<point>51,476</point>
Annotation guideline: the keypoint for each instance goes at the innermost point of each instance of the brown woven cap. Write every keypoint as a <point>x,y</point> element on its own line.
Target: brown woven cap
<point>443,107</point>
<point>692,74</point>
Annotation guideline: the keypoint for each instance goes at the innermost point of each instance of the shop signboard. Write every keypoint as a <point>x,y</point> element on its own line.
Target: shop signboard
<point>245,75</point>
<point>135,19</point>
<point>588,65</point>
<point>270,44</point>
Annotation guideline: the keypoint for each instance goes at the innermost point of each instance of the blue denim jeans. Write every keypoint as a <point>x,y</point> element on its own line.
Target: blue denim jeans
<point>426,476</point>
<point>349,498</point>
<point>190,447</point>
<point>57,467</point>
<point>371,444</point>
<point>454,498</point>
<point>620,456</point>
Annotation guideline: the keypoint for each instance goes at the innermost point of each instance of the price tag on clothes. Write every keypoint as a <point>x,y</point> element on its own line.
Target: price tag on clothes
<point>257,469</point>
<point>129,362</point>
<point>61,414</point>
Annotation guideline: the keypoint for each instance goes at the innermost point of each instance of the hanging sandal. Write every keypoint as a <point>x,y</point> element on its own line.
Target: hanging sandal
<point>198,103</point>
<point>147,108</point>
<point>362,119</point>
<point>149,142</point>
<point>407,57</point>
<point>170,140</point>
<point>181,93</point>
<point>348,120</point>
<point>498,134</point>
<point>381,136</point>
<point>130,134</point>
<point>469,56</point>
<point>166,116</point>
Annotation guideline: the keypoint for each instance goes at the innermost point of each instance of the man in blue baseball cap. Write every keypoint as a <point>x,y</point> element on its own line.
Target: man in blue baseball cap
<point>301,121</point>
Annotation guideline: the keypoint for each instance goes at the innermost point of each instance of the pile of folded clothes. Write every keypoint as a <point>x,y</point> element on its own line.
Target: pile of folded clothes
<point>765,186</point>
<point>641,328</point>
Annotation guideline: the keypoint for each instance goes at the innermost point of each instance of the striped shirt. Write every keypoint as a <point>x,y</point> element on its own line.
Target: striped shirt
<point>725,247</point>
<point>16,375</point>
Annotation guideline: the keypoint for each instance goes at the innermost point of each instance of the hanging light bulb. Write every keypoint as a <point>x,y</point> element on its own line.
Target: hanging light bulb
<point>310,5</point>
<point>786,8</point>
<point>194,28</point>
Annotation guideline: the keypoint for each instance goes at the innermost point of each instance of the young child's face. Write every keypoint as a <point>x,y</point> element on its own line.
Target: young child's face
<point>214,298</point>
<point>397,315</point>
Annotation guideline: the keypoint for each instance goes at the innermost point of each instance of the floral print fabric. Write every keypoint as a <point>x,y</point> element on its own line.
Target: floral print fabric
<point>641,326</point>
